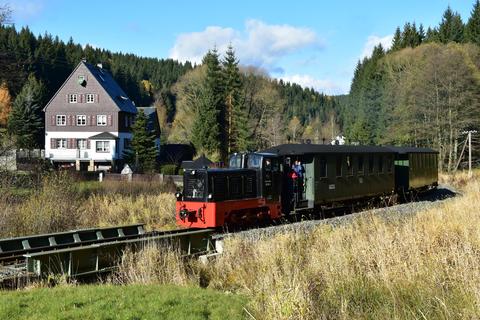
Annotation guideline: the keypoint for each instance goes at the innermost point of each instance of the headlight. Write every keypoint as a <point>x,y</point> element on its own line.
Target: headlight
<point>210,196</point>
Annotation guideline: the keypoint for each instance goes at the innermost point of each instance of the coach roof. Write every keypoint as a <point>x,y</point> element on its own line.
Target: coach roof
<point>298,149</point>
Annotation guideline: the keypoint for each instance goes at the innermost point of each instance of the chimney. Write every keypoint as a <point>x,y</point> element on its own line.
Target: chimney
<point>99,65</point>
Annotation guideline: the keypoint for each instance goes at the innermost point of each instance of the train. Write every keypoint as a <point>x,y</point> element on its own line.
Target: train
<point>292,179</point>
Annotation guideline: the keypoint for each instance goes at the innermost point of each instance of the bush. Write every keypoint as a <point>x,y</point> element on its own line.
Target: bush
<point>168,169</point>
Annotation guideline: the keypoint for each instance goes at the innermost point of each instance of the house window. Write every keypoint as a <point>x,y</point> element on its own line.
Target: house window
<point>72,98</point>
<point>81,143</point>
<point>339,166</point>
<point>90,98</point>
<point>81,120</point>
<point>61,120</point>
<point>103,146</point>
<point>61,143</point>
<point>101,120</point>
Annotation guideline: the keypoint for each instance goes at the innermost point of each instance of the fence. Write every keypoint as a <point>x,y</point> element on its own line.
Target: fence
<point>157,177</point>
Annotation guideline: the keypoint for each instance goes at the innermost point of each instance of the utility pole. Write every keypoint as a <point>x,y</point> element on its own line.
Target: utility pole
<point>469,139</point>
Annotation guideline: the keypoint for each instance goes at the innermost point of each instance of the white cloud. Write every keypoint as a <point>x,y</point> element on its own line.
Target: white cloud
<point>26,9</point>
<point>373,41</point>
<point>321,85</point>
<point>259,44</point>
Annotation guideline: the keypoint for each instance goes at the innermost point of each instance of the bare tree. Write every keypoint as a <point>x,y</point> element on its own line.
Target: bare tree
<point>5,14</point>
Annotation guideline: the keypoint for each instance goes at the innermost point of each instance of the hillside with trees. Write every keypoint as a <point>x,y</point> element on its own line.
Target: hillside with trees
<point>424,91</point>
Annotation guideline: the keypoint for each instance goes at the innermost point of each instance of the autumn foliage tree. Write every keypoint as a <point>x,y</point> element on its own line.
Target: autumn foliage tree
<point>5,105</point>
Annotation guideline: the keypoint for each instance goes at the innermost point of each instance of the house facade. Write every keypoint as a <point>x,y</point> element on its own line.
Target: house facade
<point>88,121</point>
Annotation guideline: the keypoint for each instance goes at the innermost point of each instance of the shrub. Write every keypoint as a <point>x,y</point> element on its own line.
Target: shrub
<point>168,169</point>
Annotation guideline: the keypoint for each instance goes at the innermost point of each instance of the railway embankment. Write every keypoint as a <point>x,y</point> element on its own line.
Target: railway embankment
<point>415,260</point>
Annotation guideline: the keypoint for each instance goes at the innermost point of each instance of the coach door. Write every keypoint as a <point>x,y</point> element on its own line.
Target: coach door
<point>272,178</point>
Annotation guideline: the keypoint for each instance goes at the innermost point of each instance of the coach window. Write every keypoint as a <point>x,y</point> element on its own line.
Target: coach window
<point>370,164</point>
<point>380,164</point>
<point>360,165</point>
<point>389,164</point>
<point>323,168</point>
<point>349,165</point>
<point>339,166</point>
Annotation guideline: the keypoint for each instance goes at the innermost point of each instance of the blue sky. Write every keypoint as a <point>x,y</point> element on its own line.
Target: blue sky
<point>314,43</point>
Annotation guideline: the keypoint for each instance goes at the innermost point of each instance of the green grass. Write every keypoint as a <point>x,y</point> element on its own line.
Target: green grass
<point>120,302</point>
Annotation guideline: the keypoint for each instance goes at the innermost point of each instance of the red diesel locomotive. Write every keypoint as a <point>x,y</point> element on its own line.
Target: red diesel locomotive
<point>245,193</point>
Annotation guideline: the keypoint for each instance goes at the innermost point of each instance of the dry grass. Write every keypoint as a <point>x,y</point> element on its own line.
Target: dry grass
<point>156,211</point>
<point>425,266</point>
<point>57,202</point>
<point>153,265</point>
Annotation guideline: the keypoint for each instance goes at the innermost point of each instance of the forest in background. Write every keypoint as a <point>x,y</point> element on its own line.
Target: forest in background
<point>423,91</point>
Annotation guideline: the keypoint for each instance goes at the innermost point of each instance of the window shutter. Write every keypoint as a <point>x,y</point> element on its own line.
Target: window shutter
<point>66,98</point>
<point>92,123</point>
<point>88,143</point>
<point>69,143</point>
<point>109,119</point>
<point>53,143</point>
<point>73,143</point>
<point>98,98</point>
<point>81,98</point>
<point>52,120</point>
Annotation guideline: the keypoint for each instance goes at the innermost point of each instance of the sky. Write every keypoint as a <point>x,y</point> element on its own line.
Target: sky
<point>313,43</point>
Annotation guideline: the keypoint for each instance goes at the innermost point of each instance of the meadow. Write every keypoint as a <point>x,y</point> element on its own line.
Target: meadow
<point>420,266</point>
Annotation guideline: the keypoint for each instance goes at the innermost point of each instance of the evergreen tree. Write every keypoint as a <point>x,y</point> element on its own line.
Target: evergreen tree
<point>142,152</point>
<point>209,124</point>
<point>397,40</point>
<point>237,131</point>
<point>472,29</point>
<point>451,28</point>
<point>26,119</point>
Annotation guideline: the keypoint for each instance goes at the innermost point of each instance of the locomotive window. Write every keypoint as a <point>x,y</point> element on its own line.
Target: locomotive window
<point>235,161</point>
<point>323,168</point>
<point>349,166</point>
<point>254,161</point>
<point>360,165</point>
<point>339,166</point>
<point>380,164</point>
<point>195,186</point>
<point>370,164</point>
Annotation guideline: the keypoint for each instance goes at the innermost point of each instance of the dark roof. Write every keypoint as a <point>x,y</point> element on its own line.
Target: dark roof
<point>410,150</point>
<point>112,88</point>
<point>201,162</point>
<point>152,119</point>
<point>298,149</point>
<point>103,136</point>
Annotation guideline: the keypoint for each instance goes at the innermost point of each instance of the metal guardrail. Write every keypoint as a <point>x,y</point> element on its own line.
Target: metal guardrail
<point>104,257</point>
<point>14,248</point>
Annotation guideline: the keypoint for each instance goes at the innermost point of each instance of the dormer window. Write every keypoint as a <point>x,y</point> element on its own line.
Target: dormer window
<point>90,98</point>
<point>72,98</point>
<point>81,80</point>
